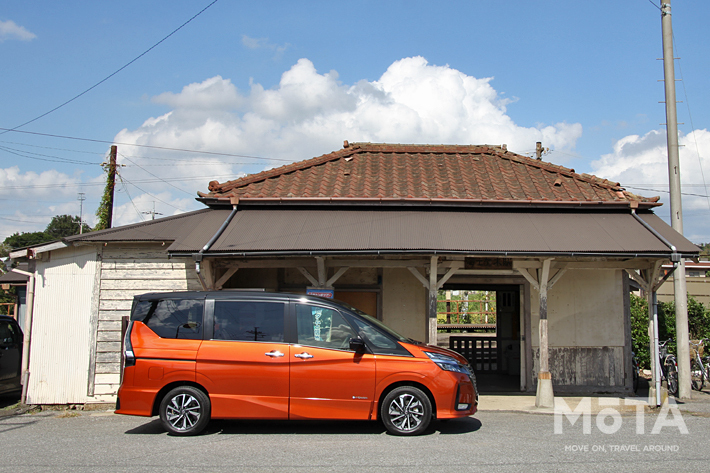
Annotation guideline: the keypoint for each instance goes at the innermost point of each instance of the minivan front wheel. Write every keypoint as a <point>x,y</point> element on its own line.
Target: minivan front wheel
<point>406,410</point>
<point>185,410</point>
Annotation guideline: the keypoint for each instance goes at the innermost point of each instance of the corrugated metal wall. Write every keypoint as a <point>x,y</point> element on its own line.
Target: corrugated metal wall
<point>59,359</point>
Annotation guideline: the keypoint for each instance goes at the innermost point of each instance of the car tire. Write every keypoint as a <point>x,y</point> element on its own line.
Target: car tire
<point>406,410</point>
<point>185,410</point>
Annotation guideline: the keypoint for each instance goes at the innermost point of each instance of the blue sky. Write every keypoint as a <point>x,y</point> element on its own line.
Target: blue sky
<point>286,81</point>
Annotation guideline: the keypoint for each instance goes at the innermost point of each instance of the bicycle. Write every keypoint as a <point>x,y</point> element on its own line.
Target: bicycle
<point>699,370</point>
<point>635,370</point>
<point>669,367</point>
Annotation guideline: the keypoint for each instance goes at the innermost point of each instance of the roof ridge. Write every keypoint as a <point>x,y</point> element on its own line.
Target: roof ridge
<point>279,171</point>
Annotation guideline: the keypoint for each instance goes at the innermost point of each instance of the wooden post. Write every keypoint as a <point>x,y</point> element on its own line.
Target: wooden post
<point>433,293</point>
<point>111,184</point>
<point>545,396</point>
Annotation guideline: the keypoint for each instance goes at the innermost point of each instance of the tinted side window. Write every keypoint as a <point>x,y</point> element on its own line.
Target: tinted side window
<point>249,321</point>
<point>171,318</point>
<point>381,343</point>
<point>8,338</point>
<point>321,327</point>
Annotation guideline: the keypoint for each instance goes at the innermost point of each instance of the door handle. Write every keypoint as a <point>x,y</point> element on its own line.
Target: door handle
<point>274,354</point>
<point>303,356</point>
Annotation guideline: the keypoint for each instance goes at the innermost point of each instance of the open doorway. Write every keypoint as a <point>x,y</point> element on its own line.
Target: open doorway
<point>483,323</point>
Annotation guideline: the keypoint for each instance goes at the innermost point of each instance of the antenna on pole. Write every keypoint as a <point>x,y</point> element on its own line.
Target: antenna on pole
<point>152,213</point>
<point>81,199</point>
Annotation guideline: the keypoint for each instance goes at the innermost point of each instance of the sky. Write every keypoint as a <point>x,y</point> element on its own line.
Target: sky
<point>246,86</point>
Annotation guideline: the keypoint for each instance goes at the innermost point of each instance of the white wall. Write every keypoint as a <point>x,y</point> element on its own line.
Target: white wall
<point>586,330</point>
<point>584,309</point>
<point>404,306</point>
<point>60,338</point>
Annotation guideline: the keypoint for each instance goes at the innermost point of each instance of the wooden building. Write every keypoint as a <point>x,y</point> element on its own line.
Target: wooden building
<point>385,227</point>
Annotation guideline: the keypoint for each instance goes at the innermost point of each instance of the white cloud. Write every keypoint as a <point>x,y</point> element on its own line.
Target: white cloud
<point>263,43</point>
<point>46,187</point>
<point>640,163</point>
<point>305,115</point>
<point>141,206</point>
<point>10,30</point>
<point>309,113</point>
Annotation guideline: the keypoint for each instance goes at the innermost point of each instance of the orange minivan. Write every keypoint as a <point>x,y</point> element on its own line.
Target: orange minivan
<point>194,356</point>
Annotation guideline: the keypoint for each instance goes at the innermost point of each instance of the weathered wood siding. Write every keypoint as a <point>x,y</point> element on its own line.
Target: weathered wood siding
<point>128,270</point>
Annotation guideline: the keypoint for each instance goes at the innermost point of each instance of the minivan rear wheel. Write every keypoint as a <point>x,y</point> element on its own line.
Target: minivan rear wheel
<point>406,410</point>
<point>185,410</point>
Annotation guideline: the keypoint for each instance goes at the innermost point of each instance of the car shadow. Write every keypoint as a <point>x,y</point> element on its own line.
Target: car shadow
<point>313,427</point>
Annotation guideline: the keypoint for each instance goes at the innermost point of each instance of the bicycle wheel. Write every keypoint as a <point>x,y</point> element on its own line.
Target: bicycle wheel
<point>706,363</point>
<point>672,377</point>
<point>697,377</point>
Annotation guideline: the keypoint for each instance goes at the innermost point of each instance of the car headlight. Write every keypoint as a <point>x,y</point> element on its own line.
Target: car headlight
<point>447,363</point>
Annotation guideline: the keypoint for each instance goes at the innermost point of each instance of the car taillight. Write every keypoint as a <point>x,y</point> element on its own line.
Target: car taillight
<point>128,356</point>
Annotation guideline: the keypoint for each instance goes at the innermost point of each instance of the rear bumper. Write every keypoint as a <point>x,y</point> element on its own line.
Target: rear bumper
<point>135,402</point>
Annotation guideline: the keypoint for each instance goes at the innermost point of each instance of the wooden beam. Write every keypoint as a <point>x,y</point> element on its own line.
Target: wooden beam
<point>308,276</point>
<point>530,278</point>
<point>225,277</point>
<point>419,263</point>
<point>556,278</point>
<point>419,276</point>
<point>446,277</point>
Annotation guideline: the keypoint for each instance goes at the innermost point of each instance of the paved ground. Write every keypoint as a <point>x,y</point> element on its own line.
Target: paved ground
<point>492,440</point>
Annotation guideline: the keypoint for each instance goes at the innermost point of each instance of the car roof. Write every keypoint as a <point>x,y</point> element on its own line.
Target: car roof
<point>231,294</point>
<point>7,318</point>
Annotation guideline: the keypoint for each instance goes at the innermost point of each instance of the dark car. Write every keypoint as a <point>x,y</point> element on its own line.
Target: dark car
<point>10,355</point>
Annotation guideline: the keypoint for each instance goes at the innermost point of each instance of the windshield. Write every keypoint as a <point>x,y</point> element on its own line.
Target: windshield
<point>370,319</point>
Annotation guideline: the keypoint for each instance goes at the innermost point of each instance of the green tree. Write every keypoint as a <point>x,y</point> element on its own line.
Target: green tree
<point>22,240</point>
<point>59,227</point>
<point>639,330</point>
<point>698,325</point>
<point>63,226</point>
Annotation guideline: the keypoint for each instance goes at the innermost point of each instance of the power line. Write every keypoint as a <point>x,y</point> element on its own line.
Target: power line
<point>146,192</point>
<point>690,116</point>
<point>125,188</point>
<point>113,73</point>
<point>49,147</point>
<point>142,181</point>
<point>212,153</point>
<point>57,159</point>
<point>158,177</point>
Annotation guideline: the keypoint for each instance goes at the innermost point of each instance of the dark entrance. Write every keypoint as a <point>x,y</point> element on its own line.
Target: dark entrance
<point>493,350</point>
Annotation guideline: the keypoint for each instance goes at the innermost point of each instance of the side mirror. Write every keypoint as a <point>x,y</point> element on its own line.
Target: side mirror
<point>358,345</point>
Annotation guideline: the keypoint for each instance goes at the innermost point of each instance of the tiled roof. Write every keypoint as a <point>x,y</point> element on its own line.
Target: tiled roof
<point>476,174</point>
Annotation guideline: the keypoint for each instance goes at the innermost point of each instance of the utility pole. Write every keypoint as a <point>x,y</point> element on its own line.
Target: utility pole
<point>111,183</point>
<point>81,199</point>
<point>679,286</point>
